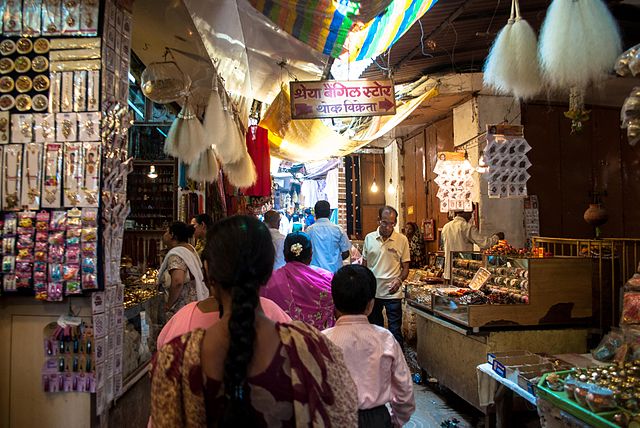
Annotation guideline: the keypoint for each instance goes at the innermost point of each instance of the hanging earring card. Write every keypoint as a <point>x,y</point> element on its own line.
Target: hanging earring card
<point>73,174</point>
<point>91,177</point>
<point>32,175</point>
<point>11,172</point>
<point>52,186</point>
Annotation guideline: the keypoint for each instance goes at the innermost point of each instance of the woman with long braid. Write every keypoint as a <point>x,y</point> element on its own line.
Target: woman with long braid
<point>246,370</point>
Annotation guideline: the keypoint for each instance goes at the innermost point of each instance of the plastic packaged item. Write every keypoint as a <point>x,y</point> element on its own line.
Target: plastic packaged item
<point>72,254</point>
<point>55,272</point>
<point>58,220</point>
<point>600,399</point>
<point>580,393</point>
<point>72,287</point>
<point>631,308</point>
<point>88,265</point>
<point>89,281</point>
<point>606,349</point>
<point>10,224</point>
<point>56,238</point>
<point>8,264</point>
<point>56,253</point>
<point>71,272</point>
<point>54,292</point>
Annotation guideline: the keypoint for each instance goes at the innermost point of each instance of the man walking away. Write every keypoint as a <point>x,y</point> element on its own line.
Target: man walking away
<point>272,220</point>
<point>330,243</point>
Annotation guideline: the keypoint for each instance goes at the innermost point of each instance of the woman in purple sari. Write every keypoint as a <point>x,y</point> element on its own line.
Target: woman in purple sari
<point>302,291</point>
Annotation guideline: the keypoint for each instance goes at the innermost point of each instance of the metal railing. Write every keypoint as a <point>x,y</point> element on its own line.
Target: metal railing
<point>616,260</point>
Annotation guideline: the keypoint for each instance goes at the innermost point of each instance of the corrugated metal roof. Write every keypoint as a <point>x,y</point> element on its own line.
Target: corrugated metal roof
<point>457,35</point>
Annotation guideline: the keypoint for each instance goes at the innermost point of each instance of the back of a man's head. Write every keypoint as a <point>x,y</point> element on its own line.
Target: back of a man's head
<point>352,288</point>
<point>464,215</point>
<point>272,219</point>
<point>322,209</point>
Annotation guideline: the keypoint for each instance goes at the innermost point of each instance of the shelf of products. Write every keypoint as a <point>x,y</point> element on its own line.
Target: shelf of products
<point>153,200</point>
<point>516,291</point>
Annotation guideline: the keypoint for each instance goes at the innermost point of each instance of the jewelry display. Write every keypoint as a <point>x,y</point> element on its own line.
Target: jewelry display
<point>44,128</point>
<point>89,126</point>
<point>11,170</point>
<point>40,102</point>
<point>51,17</point>
<point>23,64</point>
<point>41,46</point>
<point>41,83</point>
<point>23,102</point>
<point>32,177</point>
<point>91,178</point>
<point>54,92</point>
<point>89,10</point>
<point>24,84</point>
<point>66,127</point>
<point>93,90</point>
<point>21,128</point>
<point>6,84</point>
<point>74,54</point>
<point>6,65</point>
<point>73,174</point>
<point>67,92</point>
<point>40,64</point>
<point>7,102</point>
<point>61,66</point>
<point>75,43</point>
<point>32,17</point>
<point>52,175</point>
<point>24,46</point>
<point>70,16</point>
<point>80,91</point>
<point>7,47</point>
<point>4,127</point>
<point>12,18</point>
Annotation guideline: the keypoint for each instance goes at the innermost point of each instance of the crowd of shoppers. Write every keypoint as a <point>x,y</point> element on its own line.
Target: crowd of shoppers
<point>248,350</point>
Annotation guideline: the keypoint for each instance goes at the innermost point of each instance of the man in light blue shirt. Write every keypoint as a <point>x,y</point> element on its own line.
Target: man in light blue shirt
<point>330,244</point>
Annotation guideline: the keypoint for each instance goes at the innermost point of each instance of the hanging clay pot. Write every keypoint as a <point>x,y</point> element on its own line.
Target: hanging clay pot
<point>596,215</point>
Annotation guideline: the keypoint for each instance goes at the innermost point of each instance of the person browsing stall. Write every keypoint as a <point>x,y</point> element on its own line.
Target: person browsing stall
<point>201,223</point>
<point>460,235</point>
<point>272,220</point>
<point>372,355</point>
<point>386,253</point>
<point>246,370</point>
<point>330,244</point>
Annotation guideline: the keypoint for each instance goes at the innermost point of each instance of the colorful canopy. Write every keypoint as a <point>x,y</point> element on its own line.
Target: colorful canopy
<point>384,30</point>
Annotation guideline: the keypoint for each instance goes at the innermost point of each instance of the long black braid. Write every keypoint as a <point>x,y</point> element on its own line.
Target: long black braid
<point>239,255</point>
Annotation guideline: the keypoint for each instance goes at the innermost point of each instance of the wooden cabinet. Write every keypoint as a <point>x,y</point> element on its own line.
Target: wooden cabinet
<point>153,200</point>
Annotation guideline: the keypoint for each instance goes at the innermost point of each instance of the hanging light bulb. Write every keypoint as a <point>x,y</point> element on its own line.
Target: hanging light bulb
<point>391,188</point>
<point>152,172</point>
<point>374,187</point>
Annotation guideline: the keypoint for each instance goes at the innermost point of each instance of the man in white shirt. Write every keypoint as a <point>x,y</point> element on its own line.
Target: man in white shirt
<point>272,220</point>
<point>386,253</point>
<point>459,235</point>
<point>330,244</point>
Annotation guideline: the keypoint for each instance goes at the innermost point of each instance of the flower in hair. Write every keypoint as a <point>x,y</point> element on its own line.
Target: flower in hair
<point>296,249</point>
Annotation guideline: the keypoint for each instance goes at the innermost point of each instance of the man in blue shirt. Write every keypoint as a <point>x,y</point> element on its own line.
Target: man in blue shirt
<point>330,244</point>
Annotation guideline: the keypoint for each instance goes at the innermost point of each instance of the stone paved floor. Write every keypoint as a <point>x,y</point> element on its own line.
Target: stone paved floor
<point>433,408</point>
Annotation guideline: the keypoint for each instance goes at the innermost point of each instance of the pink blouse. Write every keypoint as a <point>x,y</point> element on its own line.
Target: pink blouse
<point>190,317</point>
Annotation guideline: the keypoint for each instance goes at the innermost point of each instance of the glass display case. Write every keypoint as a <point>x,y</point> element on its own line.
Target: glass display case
<point>464,266</point>
<point>518,292</point>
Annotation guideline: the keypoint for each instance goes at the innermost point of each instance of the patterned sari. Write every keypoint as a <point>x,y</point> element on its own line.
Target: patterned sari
<point>303,292</point>
<point>321,395</point>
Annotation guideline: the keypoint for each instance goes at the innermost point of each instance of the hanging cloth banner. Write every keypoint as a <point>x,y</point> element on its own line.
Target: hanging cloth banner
<point>318,24</point>
<point>383,31</point>
<point>310,139</point>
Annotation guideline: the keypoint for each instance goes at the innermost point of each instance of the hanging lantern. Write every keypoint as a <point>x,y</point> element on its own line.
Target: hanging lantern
<point>164,82</point>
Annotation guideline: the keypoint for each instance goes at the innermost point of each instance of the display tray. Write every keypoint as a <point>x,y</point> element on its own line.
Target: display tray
<point>563,402</point>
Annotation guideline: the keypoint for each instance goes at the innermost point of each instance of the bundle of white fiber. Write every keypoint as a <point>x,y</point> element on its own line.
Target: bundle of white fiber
<point>185,139</point>
<point>215,120</point>
<point>242,174</point>
<point>205,169</point>
<point>527,80</point>
<point>579,43</point>
<point>232,147</point>
<point>498,68</point>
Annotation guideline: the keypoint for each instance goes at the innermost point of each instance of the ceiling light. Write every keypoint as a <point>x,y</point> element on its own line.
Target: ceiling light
<point>152,172</point>
<point>391,188</point>
<point>374,187</point>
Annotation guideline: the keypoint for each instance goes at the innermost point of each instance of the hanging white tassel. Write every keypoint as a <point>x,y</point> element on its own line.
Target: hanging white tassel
<point>242,174</point>
<point>232,146</point>
<point>579,43</point>
<point>185,137</point>
<point>527,79</point>
<point>205,169</point>
<point>498,68</point>
<point>215,121</point>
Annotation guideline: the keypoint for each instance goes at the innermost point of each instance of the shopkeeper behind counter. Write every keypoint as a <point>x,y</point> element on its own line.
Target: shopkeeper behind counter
<point>460,235</point>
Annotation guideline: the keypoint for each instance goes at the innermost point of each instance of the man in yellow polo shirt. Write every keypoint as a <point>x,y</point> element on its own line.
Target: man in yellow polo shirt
<point>386,253</point>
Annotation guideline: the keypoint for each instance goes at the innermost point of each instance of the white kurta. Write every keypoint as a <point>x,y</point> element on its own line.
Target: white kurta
<point>459,235</point>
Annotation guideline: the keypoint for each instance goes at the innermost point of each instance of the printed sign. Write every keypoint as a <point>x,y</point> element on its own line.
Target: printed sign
<point>348,98</point>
